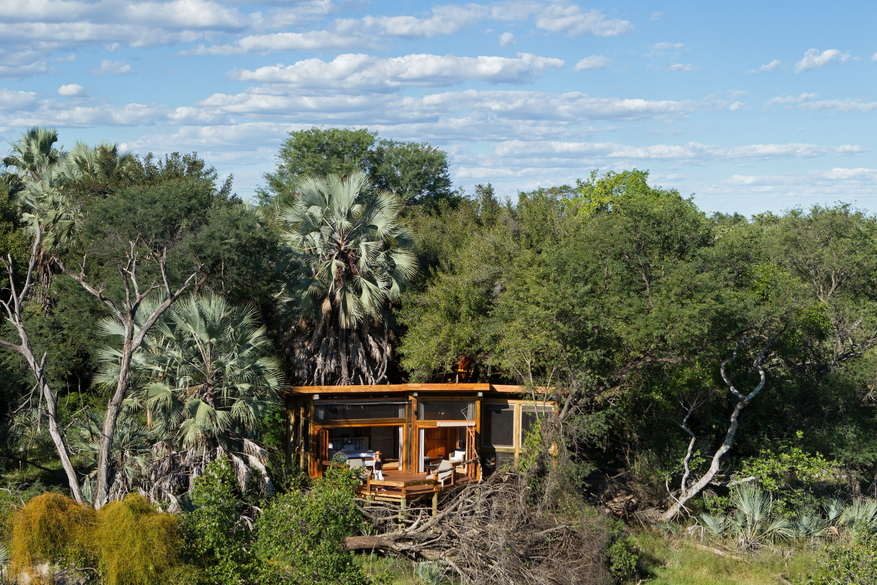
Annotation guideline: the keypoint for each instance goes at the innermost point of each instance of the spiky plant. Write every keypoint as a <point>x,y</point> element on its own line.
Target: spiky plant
<point>860,514</point>
<point>432,572</point>
<point>349,259</point>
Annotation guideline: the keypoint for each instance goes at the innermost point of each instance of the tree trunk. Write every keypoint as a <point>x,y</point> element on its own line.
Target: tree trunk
<point>114,409</point>
<point>342,350</point>
<point>689,492</point>
<point>13,308</point>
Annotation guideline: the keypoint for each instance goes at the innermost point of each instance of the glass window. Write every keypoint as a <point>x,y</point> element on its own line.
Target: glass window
<point>446,410</point>
<point>343,411</point>
<point>529,416</point>
<point>498,425</point>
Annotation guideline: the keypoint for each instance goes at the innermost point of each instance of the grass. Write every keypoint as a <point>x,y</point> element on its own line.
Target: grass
<point>674,561</point>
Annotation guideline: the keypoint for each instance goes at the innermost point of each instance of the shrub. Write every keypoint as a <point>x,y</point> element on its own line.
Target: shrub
<point>135,544</point>
<point>51,528</point>
<point>216,538</point>
<point>622,555</point>
<point>847,563</point>
<point>300,533</point>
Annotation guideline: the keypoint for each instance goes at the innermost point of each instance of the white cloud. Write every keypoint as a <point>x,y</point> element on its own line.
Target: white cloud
<point>692,151</point>
<point>15,100</point>
<point>845,106</point>
<point>735,106</point>
<point>71,90</point>
<point>593,63</point>
<point>806,101</point>
<point>445,20</point>
<point>569,19</point>
<point>507,39</point>
<point>772,66</point>
<point>655,15</point>
<point>680,68</point>
<point>112,68</point>
<point>813,59</point>
<point>665,46</point>
<point>874,57</point>
<point>790,99</point>
<point>318,40</point>
<point>366,73</point>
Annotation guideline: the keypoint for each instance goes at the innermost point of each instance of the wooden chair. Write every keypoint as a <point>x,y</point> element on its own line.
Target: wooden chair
<point>445,472</point>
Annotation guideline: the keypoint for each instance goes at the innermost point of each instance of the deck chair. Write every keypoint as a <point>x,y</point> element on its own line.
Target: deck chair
<point>358,467</point>
<point>445,472</point>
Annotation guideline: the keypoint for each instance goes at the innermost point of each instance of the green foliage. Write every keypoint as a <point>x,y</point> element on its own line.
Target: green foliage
<point>847,562</point>
<point>622,554</point>
<point>753,521</point>
<point>416,172</point>
<point>135,544</point>
<point>793,474</point>
<point>217,540</point>
<point>432,572</point>
<point>300,534</point>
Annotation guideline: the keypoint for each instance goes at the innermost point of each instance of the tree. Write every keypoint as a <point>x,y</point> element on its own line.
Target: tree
<point>416,172</point>
<point>349,260</point>
<point>134,332</point>
<point>206,379</point>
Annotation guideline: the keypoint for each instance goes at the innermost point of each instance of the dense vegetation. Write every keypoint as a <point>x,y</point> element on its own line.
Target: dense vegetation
<point>715,371</point>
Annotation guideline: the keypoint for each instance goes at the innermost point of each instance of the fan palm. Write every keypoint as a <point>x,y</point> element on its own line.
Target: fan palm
<point>349,260</point>
<point>206,379</point>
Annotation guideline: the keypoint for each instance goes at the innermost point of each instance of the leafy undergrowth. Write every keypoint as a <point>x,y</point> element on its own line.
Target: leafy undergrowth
<point>675,561</point>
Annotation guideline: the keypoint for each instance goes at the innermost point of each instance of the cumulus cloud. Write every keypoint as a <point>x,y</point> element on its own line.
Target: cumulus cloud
<point>772,66</point>
<point>507,39</point>
<point>367,73</point>
<point>15,100</point>
<point>813,59</point>
<point>71,90</point>
<point>570,19</point>
<point>593,63</point>
<point>735,106</point>
<point>681,68</point>
<point>112,68</point>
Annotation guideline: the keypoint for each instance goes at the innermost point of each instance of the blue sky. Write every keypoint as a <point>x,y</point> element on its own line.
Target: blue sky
<point>749,106</point>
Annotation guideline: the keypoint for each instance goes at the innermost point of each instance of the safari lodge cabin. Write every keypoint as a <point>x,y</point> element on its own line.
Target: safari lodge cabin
<point>430,436</point>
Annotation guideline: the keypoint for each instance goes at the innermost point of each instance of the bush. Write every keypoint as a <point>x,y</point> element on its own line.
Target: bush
<point>216,539</point>
<point>135,544</point>
<point>622,555</point>
<point>847,563</point>
<point>300,534</point>
<point>51,528</point>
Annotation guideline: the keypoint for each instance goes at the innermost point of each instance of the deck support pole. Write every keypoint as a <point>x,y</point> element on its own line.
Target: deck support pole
<point>435,503</point>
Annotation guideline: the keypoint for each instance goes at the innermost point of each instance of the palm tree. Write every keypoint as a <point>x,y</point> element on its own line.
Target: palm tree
<point>349,260</point>
<point>205,379</point>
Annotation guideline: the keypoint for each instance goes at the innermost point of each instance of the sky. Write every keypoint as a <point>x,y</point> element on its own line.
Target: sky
<point>746,106</point>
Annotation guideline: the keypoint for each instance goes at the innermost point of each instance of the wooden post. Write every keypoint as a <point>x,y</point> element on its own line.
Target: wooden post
<point>302,443</point>
<point>435,495</point>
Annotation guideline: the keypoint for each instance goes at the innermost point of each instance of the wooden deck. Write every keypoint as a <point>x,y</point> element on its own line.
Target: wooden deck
<point>404,486</point>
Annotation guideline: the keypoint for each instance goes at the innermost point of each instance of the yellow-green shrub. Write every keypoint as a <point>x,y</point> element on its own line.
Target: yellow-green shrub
<point>135,544</point>
<point>52,528</point>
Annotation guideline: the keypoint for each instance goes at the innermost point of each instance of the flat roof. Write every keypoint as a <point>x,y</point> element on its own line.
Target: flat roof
<point>403,388</point>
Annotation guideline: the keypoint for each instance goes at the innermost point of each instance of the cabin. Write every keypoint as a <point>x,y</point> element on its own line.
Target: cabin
<point>431,436</point>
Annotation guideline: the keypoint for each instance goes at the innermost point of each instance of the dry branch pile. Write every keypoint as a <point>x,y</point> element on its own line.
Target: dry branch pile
<point>495,533</point>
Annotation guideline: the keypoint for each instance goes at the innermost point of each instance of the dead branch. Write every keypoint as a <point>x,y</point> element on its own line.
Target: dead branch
<point>493,533</point>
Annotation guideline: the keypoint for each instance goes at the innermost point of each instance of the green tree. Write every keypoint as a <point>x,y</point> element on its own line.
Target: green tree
<point>349,260</point>
<point>416,172</point>
<point>206,379</point>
